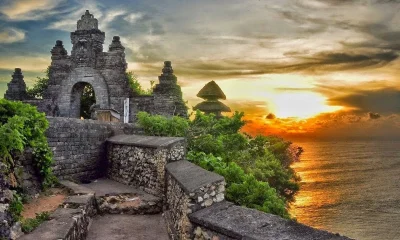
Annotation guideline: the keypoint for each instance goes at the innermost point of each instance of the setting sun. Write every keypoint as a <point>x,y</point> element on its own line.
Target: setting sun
<point>300,105</point>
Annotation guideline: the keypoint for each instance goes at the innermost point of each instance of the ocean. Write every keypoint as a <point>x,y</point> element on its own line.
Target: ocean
<point>351,188</point>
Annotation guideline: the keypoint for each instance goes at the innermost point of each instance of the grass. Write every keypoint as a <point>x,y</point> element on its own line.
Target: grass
<point>28,225</point>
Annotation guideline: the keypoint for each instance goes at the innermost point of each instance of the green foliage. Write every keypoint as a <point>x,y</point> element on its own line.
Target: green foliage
<point>16,207</point>
<point>135,85</point>
<point>157,125</point>
<point>242,188</point>
<point>21,125</point>
<point>256,169</point>
<point>87,100</point>
<point>40,86</point>
<point>28,225</point>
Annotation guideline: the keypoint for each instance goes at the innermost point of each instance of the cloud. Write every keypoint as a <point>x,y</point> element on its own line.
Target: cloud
<point>270,116</point>
<point>384,100</point>
<point>22,10</point>
<point>68,20</point>
<point>26,63</point>
<point>319,63</point>
<point>374,115</point>
<point>11,35</point>
<point>133,17</point>
<point>341,125</point>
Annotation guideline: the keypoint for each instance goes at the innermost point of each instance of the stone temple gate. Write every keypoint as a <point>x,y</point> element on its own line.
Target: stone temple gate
<point>105,72</point>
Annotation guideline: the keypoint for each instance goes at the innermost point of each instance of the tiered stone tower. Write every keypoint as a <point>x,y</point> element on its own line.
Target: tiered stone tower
<point>168,95</point>
<point>17,87</point>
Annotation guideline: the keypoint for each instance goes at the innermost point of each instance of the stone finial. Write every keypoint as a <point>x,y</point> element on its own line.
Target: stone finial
<point>167,70</point>
<point>116,45</point>
<point>17,87</point>
<point>58,50</point>
<point>87,22</point>
<point>167,76</point>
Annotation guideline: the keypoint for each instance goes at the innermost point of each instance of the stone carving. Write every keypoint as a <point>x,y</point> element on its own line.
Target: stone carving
<point>87,22</point>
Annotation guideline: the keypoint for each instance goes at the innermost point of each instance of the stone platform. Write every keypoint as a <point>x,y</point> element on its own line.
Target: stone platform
<point>128,227</point>
<point>115,198</point>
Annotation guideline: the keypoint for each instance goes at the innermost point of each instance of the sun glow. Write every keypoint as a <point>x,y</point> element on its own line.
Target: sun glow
<point>300,105</point>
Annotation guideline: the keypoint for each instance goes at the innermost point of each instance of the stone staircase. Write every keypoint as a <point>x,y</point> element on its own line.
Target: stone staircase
<point>152,192</point>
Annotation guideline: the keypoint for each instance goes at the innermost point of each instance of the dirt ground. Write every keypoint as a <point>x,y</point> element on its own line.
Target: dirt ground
<point>46,202</point>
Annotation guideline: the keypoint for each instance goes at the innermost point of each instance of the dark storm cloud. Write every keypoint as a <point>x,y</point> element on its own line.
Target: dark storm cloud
<point>384,101</point>
<point>385,37</point>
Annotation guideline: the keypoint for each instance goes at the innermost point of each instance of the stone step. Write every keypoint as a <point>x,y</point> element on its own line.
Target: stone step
<point>116,198</point>
<point>128,227</point>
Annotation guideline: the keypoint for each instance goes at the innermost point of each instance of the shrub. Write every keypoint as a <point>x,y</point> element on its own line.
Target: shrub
<point>157,125</point>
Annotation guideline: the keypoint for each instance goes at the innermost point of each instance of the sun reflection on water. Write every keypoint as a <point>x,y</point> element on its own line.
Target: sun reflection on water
<point>313,202</point>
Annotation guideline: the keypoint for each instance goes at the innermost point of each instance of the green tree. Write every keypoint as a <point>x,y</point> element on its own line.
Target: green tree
<point>136,86</point>
<point>39,87</point>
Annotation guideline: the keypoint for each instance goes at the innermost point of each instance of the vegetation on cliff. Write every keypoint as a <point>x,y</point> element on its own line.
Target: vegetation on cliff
<point>256,169</point>
<point>22,126</point>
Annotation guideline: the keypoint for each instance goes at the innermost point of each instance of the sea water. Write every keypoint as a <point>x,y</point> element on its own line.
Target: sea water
<point>351,188</point>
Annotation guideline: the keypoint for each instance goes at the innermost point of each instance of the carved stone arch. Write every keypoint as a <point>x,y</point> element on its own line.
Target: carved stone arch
<point>78,77</point>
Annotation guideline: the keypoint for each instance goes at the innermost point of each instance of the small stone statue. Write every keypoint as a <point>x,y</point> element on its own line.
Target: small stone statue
<point>92,111</point>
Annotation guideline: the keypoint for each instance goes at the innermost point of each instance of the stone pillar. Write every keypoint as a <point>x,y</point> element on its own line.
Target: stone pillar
<point>59,70</point>
<point>168,95</point>
<point>17,87</point>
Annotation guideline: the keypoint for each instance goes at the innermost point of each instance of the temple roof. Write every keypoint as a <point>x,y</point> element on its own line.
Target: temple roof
<point>212,106</point>
<point>211,91</point>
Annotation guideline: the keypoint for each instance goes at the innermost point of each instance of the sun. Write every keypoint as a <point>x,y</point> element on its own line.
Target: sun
<point>300,105</point>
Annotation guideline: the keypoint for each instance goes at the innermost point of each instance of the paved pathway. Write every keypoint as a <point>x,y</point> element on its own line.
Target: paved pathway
<point>128,227</point>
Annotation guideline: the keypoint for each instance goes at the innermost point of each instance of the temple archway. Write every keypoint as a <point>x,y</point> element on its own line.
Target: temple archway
<point>72,90</point>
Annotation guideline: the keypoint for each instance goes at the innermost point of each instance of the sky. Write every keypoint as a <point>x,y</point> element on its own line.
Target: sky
<point>300,69</point>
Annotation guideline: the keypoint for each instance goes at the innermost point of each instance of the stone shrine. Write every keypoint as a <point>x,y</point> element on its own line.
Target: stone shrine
<point>105,72</point>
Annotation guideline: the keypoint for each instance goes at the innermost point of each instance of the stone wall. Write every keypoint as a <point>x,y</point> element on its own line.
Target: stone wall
<point>189,189</point>
<point>140,160</point>
<point>140,104</point>
<point>225,220</point>
<point>25,173</point>
<point>6,220</point>
<point>79,146</point>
